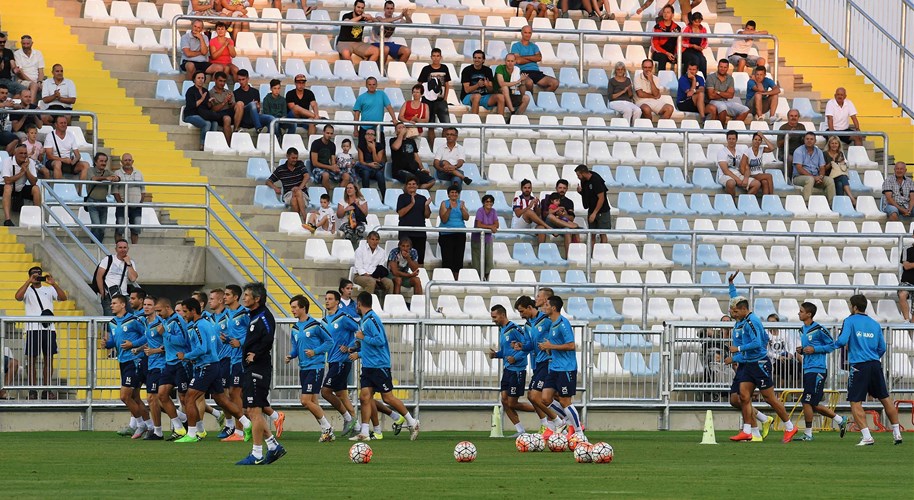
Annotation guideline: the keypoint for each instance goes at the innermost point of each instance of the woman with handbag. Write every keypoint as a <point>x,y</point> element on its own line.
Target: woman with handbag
<point>836,168</point>
<point>352,212</point>
<point>414,112</point>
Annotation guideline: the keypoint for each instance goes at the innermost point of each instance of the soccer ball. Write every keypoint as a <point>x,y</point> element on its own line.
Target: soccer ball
<point>525,442</point>
<point>360,453</point>
<point>557,442</point>
<point>538,444</point>
<point>582,453</point>
<point>575,440</point>
<point>601,453</point>
<point>465,451</point>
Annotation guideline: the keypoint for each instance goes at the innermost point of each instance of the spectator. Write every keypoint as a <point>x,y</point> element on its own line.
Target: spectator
<point>542,8</point>
<point>592,8</point>
<point>558,212</point>
<point>404,264</point>
<point>34,148</point>
<point>452,213</point>
<point>222,50</point>
<point>839,113</point>
<point>714,350</point>
<point>692,47</point>
<point>301,103</point>
<point>8,140</point>
<point>621,95</point>
<point>8,67</point>
<point>102,177</point>
<point>345,160</point>
<point>663,48</point>
<point>752,163</point>
<point>274,106</point>
<point>691,94</point>
<point>236,8</point>
<point>478,87</point>
<point>113,274</point>
<point>352,214</point>
<point>221,105</point>
<point>898,194</point>
<point>393,50</point>
<point>528,55</point>
<point>836,167</point>
<point>62,153</point>
<point>436,83</point>
<point>405,162</point>
<point>247,105</point>
<point>349,42</point>
<point>135,193</point>
<point>796,140</point>
<point>721,94</point>
<point>729,174</point>
<point>762,95</point>
<point>347,304</point>
<point>372,157</point>
<point>30,62</point>
<point>21,121</point>
<point>414,112</point>
<point>526,211</point>
<point>593,195</point>
<point>196,112</point>
<point>293,178</point>
<point>324,169</point>
<point>370,266</point>
<point>40,336</point>
<point>809,169</point>
<point>204,8</point>
<point>195,52</point>
<point>413,210</point>
<point>511,83</point>
<point>10,369</point>
<point>57,94</point>
<point>449,157</point>
<point>486,218</point>
<point>685,6</point>
<point>907,278</point>
<point>323,219</point>
<point>370,107</point>
<point>782,348</point>
<point>20,182</point>
<point>738,53</point>
<point>647,94</point>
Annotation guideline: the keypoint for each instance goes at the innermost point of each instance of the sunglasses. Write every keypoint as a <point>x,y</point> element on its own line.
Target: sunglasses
<point>301,81</point>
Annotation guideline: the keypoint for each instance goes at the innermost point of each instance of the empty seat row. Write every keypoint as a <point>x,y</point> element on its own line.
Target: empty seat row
<point>748,206</point>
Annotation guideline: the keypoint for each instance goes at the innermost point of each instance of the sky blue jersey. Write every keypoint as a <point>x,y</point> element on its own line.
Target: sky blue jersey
<point>863,337</point>
<point>175,338</point>
<point>818,338</point>
<point>506,335</point>
<point>237,328</point>
<point>204,343</point>
<point>127,327</point>
<point>375,351</point>
<point>154,340</point>
<point>561,333</point>
<point>310,334</point>
<point>342,327</point>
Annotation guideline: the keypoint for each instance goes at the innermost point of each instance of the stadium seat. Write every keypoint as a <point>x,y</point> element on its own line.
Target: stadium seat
<point>604,255</point>
<point>703,179</point>
<point>266,198</point>
<point>549,253</point>
<point>167,90</point>
<point>257,169</point>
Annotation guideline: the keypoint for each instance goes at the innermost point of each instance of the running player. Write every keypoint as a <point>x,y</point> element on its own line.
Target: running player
<point>126,333</point>
<point>155,363</point>
<point>816,344</point>
<point>310,344</point>
<point>335,390</point>
<point>514,373</point>
<point>537,326</point>
<point>218,316</point>
<point>563,369</point>
<point>174,341</point>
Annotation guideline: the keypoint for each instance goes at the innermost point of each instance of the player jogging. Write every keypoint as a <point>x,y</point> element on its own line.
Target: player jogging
<point>155,363</point>
<point>537,326</point>
<point>310,344</point>
<point>335,390</point>
<point>174,340</point>
<point>514,374</point>
<point>816,344</point>
<point>126,333</point>
<point>561,383</point>
<point>865,346</point>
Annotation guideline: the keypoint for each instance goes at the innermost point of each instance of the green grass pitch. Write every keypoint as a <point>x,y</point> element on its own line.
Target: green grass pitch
<point>646,465</point>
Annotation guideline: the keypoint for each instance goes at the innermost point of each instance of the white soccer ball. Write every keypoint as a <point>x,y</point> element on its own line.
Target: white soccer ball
<point>524,443</point>
<point>360,453</point>
<point>557,442</point>
<point>537,442</point>
<point>582,453</point>
<point>465,451</point>
<point>576,439</point>
<point>601,453</point>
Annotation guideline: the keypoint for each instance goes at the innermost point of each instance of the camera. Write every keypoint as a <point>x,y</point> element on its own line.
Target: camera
<point>41,278</point>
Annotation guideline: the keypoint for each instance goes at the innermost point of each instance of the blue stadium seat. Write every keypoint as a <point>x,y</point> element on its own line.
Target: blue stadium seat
<point>501,206</point>
<point>844,207</point>
<point>655,362</point>
<point>606,338</point>
<point>655,224</point>
<point>856,182</point>
<point>68,193</point>
<point>577,307</point>
<point>653,203</point>
<point>748,205</point>
<point>314,196</point>
<point>603,307</point>
<point>373,198</point>
<point>266,198</point>
<point>607,175</point>
<point>764,307</point>
<point>628,203</point>
<point>523,253</point>
<point>472,200</point>
<point>596,104</point>
<point>597,78</point>
<point>634,363</point>
<point>390,198</point>
<point>672,177</point>
<point>550,276</point>
<point>650,177</point>
<point>167,90</point>
<point>771,204</point>
<point>569,79</point>
<point>549,253</point>
<point>546,102</point>
<point>571,102</point>
<point>677,204</point>
<point>677,224</point>
<point>682,254</point>
<point>723,203</point>
<point>707,256</point>
<point>322,95</point>
<point>344,97</point>
<point>161,64</point>
<point>713,278</point>
<point>777,176</point>
<point>701,204</point>
<point>634,340</point>
<point>258,169</point>
<point>396,97</point>
<point>703,179</point>
<point>573,277</point>
<point>626,177</point>
<point>471,170</point>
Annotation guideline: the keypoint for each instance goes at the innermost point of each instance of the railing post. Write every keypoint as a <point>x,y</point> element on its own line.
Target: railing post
<point>777,55</point>
<point>847,28</point>
<point>482,149</point>
<point>796,250</point>
<point>678,55</point>
<point>588,266</point>
<point>208,210</point>
<point>694,258</point>
<point>581,56</point>
<point>901,66</point>
<point>482,252</point>
<point>279,47</point>
<point>584,133</point>
<point>685,156</point>
<point>644,306</point>
<point>174,43</point>
<point>381,58</point>
<point>91,342</point>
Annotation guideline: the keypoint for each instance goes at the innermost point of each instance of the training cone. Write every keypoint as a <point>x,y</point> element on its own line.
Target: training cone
<point>496,423</point>
<point>708,437</point>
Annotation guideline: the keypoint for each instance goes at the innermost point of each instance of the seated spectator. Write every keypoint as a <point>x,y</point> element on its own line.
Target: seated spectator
<point>714,347</point>
<point>738,53</point>
<point>647,93</point>
<point>796,140</point>
<point>558,211</point>
<point>195,52</point>
<point>352,214</point>
<point>663,48</point>
<point>196,111</point>
<point>220,106</point>
<point>762,95</point>
<point>692,48</point>
<point>526,211</point>
<point>274,106</point>
<point>907,272</point>
<point>752,163</point>
<point>403,263</point>
<point>247,105</point>
<point>393,50</point>
<point>592,8</point>
<point>370,266</point>
<point>413,210</point>
<point>370,165</point>
<point>293,178</point>
<point>10,370</point>
<point>449,157</point>
<point>349,41</point>
<point>62,154</point>
<point>839,113</point>
<point>98,193</point>
<point>478,87</point>
<point>344,159</point>
<point>30,65</point>
<point>621,96</point>
<point>237,9</point>
<point>57,93</point>
<point>405,162</point>
<point>222,50</point>
<point>324,169</point>
<point>685,6</point>
<point>729,174</point>
<point>721,94</point>
<point>528,55</point>
<point>8,67</point>
<point>511,83</point>
<point>542,8</point>
<point>34,147</point>
<point>452,213</point>
<point>20,182</point>
<point>370,107</point>
<point>898,193</point>
<point>809,169</point>
<point>204,7</point>
<point>691,94</point>
<point>414,111</point>
<point>486,218</point>
<point>836,167</point>
<point>21,121</point>
<point>323,219</point>
<point>8,140</point>
<point>436,84</point>
<point>301,103</point>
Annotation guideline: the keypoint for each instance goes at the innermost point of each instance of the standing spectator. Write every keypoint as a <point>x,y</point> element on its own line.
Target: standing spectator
<point>414,112</point>
<point>372,157</point>
<point>301,103</point>
<point>247,105</point>
<point>762,95</point>
<point>738,53</point>
<point>721,94</point>
<point>222,50</point>
<point>663,48</point>
<point>57,93</point>
<point>836,167</point>
<point>98,192</point>
<point>898,194</point>
<point>478,87</point>
<point>8,67</point>
<point>528,55</point>
<point>405,161</point>
<point>404,265</point>
<point>714,342</point>
<point>134,191</point>
<point>352,214</point>
<point>839,113</point>
<point>413,210</point>
<point>685,6</point>
<point>39,336</point>
<point>486,218</point>
<point>274,106</point>
<point>349,42</point>
<point>647,93</point>
<point>796,140</point>
<point>324,169</point>
<point>62,154</point>
<point>906,281</point>
<point>293,178</point>
<point>21,121</point>
<point>20,182</point>
<point>113,274</point>
<point>621,96</point>
<point>593,195</point>
<point>752,163</point>
<point>453,213</point>
<point>729,174</point>
<point>449,157</point>
<point>436,84</point>
<point>782,348</point>
<point>809,169</point>
<point>195,52</point>
<point>221,105</point>
<point>370,266</point>
<point>370,107</point>
<point>512,84</point>
<point>396,51</point>
<point>692,47</point>
<point>526,211</point>
<point>30,62</point>
<point>196,112</point>
<point>691,94</point>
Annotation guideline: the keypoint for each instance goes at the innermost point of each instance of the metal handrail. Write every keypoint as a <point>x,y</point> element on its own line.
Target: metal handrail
<point>58,112</point>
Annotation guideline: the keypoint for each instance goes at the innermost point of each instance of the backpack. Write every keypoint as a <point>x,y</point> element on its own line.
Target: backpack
<point>92,284</point>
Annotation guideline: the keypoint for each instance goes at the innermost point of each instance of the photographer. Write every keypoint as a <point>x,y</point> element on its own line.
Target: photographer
<point>113,274</point>
<point>39,301</point>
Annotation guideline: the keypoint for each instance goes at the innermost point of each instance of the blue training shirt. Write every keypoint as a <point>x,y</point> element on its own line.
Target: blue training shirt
<point>506,335</point>
<point>537,331</point>
<point>342,328</point>
<point>220,322</point>
<point>310,334</point>
<point>561,333</point>
<point>127,327</point>
<point>863,337</point>
<point>236,328</point>
<point>154,340</point>
<point>818,338</point>
<point>204,341</point>
<point>375,351</point>
<point>752,339</point>
<point>175,338</point>
<point>350,308</point>
<point>526,51</point>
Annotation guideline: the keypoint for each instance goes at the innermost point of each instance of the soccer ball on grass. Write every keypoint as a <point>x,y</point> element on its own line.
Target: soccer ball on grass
<point>601,453</point>
<point>582,453</point>
<point>537,443</point>
<point>524,443</point>
<point>360,453</point>
<point>465,451</point>
<point>557,442</point>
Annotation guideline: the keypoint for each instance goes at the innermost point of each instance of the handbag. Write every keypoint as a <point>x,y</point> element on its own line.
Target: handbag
<point>838,169</point>
<point>412,132</point>
<point>44,312</point>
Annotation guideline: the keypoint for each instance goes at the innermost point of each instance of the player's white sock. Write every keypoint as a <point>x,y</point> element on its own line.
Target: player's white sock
<point>557,408</point>
<point>788,425</point>
<point>896,429</point>
<point>378,429</point>
<point>866,433</point>
<point>761,417</point>
<point>575,418</point>
<point>238,433</point>
<point>394,415</point>
<point>192,430</point>
<point>182,416</point>
<point>838,419</point>
<point>245,422</point>
<point>325,425</point>
<point>272,443</point>
<point>200,427</point>
<point>755,432</point>
<point>363,430</point>
<point>149,424</point>
<point>808,431</point>
<point>257,451</point>
<point>273,416</point>
<point>747,429</point>
<point>230,422</point>
<point>158,431</point>
<point>544,421</point>
<point>410,421</point>
<point>550,425</point>
<point>216,413</point>
<point>519,428</point>
<point>346,417</point>
<point>176,423</point>
<point>133,423</point>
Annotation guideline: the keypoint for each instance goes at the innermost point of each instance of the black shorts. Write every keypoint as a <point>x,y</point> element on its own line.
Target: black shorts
<point>737,379</point>
<point>235,373</point>
<point>866,378</point>
<point>759,373</point>
<point>176,376</point>
<point>535,75</point>
<point>198,65</point>
<point>18,197</point>
<point>64,168</point>
<point>540,374</point>
<point>225,371</point>
<point>513,382</point>
<point>564,383</point>
<point>420,176</point>
<point>687,106</point>
<point>311,380</point>
<point>44,341</point>
<point>153,379</point>
<point>207,379</point>
<point>255,387</point>
<point>337,378</point>
<point>813,388</point>
<point>6,138</point>
<point>437,111</point>
<point>516,100</point>
<point>378,379</point>
<point>132,374</point>
<point>846,139</point>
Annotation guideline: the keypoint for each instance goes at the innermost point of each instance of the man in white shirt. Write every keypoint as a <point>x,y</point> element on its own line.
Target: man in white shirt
<point>738,53</point>
<point>729,175</point>
<point>135,192</point>
<point>62,154</point>
<point>20,181</point>
<point>368,257</point>
<point>40,336</point>
<point>449,158</point>
<point>526,210</point>
<point>30,64</point>
<point>113,274</point>
<point>839,113</point>
<point>57,93</point>
<point>647,94</point>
